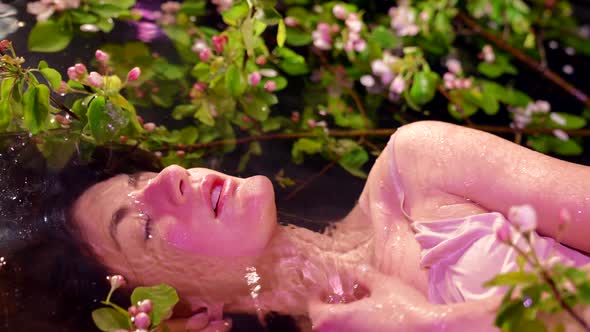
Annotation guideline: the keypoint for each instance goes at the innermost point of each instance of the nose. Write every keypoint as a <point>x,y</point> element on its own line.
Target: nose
<point>172,185</point>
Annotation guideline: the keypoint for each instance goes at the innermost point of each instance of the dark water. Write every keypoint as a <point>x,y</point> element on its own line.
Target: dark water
<point>332,195</point>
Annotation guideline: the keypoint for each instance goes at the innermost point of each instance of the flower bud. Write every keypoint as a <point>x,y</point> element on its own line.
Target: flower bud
<point>80,69</point>
<point>219,42</point>
<point>133,310</point>
<point>340,12</point>
<point>102,56</point>
<point>72,73</point>
<point>367,81</point>
<point>561,135</point>
<point>134,74</point>
<point>116,281</point>
<point>270,86</point>
<point>398,85</point>
<point>142,320</point>
<point>95,79</point>
<point>523,217</point>
<point>149,127</point>
<point>261,60</point>
<point>63,88</point>
<point>291,21</point>
<point>254,78</point>
<point>502,230</point>
<point>205,54</point>
<point>5,45</point>
<point>145,306</point>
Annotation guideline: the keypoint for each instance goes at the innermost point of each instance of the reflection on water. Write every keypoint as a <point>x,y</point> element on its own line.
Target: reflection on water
<point>8,21</point>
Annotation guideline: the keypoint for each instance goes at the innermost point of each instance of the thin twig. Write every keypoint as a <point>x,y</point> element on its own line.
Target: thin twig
<point>532,63</point>
<point>311,179</point>
<point>356,133</point>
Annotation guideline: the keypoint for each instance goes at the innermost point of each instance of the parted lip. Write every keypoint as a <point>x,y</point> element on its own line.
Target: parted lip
<point>208,185</point>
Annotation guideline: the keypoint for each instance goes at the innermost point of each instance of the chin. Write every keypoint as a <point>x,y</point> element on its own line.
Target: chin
<point>260,212</point>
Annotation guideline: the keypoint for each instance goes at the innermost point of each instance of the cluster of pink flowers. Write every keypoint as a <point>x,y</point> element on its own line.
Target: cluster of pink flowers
<point>45,8</point>
<point>322,35</point>
<point>198,90</point>
<point>254,79</point>
<point>384,77</point>
<point>522,117</point>
<point>79,73</point>
<point>169,10</point>
<point>403,19</point>
<point>453,82</point>
<point>202,48</point>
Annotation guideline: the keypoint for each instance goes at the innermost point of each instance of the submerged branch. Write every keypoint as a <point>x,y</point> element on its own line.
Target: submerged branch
<point>530,62</point>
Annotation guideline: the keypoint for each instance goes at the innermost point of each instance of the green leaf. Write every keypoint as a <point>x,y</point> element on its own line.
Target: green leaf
<point>105,24</point>
<point>384,37</point>
<point>305,146</point>
<point>282,33</point>
<point>201,71</point>
<point>353,160</point>
<point>491,70</point>
<point>424,87</point>
<point>105,119</point>
<point>49,36</point>
<point>5,114</point>
<point>236,13</point>
<point>256,106</point>
<point>109,319</point>
<point>530,325</point>
<point>571,121</point>
<point>52,76</point>
<point>193,8</point>
<point>36,108</point>
<point>42,64</point>
<point>512,279</point>
<point>204,115</point>
<point>296,37</point>
<point>163,297</point>
<point>234,81</point>
<point>291,63</point>
<point>583,292</point>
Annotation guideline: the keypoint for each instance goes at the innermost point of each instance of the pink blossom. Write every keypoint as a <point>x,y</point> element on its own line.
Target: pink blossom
<point>205,54</point>
<point>149,127</point>
<point>199,45</point>
<point>45,8</point>
<point>466,83</point>
<point>80,69</point>
<point>145,306</point>
<point>219,42</point>
<point>403,20</point>
<point>360,45</point>
<point>95,79</point>
<point>63,88</point>
<point>261,60</point>
<point>560,120</point>
<point>367,81</point>
<point>379,68</point>
<point>72,74</point>
<point>147,31</point>
<point>291,21</point>
<point>487,53</point>
<point>321,36</point>
<point>101,56</point>
<point>5,45</point>
<point>198,89</point>
<point>354,23</point>
<point>142,320</point>
<point>170,7</point>
<point>133,310</point>
<point>270,86</point>
<point>222,5</point>
<point>168,19</point>
<point>424,16</point>
<point>267,72</point>
<point>134,74</point>
<point>340,12</point>
<point>523,217</point>
<point>116,281</point>
<point>311,123</point>
<point>254,78</point>
<point>502,230</point>
<point>398,85</point>
<point>454,66</point>
<point>561,135</point>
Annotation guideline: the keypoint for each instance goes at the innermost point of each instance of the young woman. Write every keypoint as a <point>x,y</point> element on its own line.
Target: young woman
<point>411,256</point>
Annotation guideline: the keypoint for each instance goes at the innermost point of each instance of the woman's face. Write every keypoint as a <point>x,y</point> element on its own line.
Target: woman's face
<point>157,217</point>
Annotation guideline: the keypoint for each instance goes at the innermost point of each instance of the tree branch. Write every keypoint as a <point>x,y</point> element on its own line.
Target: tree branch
<point>527,60</point>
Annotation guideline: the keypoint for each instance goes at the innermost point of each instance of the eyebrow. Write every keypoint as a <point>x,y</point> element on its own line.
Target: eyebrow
<point>118,216</point>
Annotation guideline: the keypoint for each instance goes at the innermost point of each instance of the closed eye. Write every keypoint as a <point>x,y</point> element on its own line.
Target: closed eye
<point>147,225</point>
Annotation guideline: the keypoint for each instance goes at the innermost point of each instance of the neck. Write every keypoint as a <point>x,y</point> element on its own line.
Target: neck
<point>298,265</point>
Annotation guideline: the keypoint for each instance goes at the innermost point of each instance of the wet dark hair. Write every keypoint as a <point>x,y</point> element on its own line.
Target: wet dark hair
<point>50,280</point>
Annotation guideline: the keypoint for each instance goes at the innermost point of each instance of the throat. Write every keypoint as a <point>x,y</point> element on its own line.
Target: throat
<point>299,265</point>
